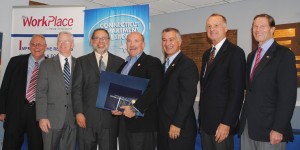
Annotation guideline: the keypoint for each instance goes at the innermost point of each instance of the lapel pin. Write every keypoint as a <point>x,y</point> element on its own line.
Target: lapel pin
<point>139,64</point>
<point>268,57</point>
<point>173,65</point>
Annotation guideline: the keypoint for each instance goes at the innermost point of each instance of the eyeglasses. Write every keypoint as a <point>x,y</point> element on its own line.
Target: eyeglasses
<point>63,42</point>
<point>37,44</point>
<point>100,38</point>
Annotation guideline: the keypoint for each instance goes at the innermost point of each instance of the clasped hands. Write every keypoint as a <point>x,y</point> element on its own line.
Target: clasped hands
<point>128,112</point>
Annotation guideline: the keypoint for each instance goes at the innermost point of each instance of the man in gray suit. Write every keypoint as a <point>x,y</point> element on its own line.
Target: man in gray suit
<point>53,101</point>
<point>98,127</point>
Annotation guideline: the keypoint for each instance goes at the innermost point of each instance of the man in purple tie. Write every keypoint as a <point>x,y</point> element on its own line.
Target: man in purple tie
<point>17,97</point>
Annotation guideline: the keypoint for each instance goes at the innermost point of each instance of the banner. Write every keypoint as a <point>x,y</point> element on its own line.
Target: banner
<point>119,22</point>
<point>49,21</point>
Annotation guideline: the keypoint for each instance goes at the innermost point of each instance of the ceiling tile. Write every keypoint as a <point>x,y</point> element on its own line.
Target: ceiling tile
<point>169,6</point>
<point>112,3</point>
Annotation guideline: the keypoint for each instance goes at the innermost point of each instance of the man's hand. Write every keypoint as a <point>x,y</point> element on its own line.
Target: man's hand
<point>80,119</point>
<point>128,111</point>
<point>275,137</point>
<point>2,117</point>
<point>44,125</point>
<point>222,132</point>
<point>116,112</point>
<point>174,132</point>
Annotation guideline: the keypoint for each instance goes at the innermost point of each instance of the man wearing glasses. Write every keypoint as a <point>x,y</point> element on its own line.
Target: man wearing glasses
<point>97,127</point>
<point>17,97</point>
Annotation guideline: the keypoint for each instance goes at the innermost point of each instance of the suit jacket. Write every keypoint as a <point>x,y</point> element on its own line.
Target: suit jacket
<point>177,97</point>
<point>13,91</point>
<point>150,68</point>
<point>53,100</point>
<point>85,87</point>
<point>222,88</point>
<point>271,94</point>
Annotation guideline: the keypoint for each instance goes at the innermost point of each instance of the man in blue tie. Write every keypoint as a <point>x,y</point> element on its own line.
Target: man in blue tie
<point>53,101</point>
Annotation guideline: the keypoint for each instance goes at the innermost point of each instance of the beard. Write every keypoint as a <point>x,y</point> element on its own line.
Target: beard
<point>99,50</point>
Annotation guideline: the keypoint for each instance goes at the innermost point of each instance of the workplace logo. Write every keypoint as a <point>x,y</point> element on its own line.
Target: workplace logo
<point>47,21</point>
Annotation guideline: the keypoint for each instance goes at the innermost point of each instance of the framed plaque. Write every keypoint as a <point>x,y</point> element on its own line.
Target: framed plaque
<point>195,44</point>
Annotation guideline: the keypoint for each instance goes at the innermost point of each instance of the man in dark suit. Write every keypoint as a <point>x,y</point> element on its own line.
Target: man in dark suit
<point>271,83</point>
<point>139,133</point>
<point>221,87</point>
<point>97,127</point>
<point>54,109</point>
<point>17,107</point>
<point>177,121</point>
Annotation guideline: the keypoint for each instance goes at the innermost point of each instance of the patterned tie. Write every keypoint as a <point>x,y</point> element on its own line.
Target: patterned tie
<point>167,64</point>
<point>257,60</point>
<point>67,74</point>
<point>102,66</point>
<point>211,56</point>
<point>31,91</point>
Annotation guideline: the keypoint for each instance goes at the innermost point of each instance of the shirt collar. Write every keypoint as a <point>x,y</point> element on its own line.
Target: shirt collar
<point>31,58</point>
<point>173,57</point>
<point>135,58</point>
<point>218,46</point>
<point>267,45</point>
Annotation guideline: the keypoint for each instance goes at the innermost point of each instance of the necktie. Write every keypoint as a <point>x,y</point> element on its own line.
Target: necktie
<point>31,91</point>
<point>211,56</point>
<point>102,66</point>
<point>167,64</point>
<point>67,74</point>
<point>257,60</point>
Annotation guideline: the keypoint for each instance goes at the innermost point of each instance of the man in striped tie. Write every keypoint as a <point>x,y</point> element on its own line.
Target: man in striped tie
<point>53,100</point>
<point>17,97</point>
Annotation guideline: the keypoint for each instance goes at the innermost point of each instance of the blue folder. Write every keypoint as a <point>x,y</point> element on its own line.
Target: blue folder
<point>116,90</point>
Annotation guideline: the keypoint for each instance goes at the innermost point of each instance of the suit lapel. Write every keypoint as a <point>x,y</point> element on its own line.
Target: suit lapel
<point>93,62</point>
<point>59,71</point>
<point>249,65</point>
<point>264,60</point>
<point>173,65</point>
<point>136,66</point>
<point>110,62</point>
<point>217,59</point>
<point>24,64</point>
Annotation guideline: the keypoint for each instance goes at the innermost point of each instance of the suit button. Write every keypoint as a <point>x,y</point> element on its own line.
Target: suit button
<point>65,105</point>
<point>67,93</point>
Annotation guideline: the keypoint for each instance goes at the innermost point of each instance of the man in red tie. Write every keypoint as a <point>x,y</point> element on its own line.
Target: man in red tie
<point>271,89</point>
<point>17,98</point>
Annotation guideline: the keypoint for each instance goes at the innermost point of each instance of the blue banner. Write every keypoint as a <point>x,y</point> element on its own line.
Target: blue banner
<point>119,22</point>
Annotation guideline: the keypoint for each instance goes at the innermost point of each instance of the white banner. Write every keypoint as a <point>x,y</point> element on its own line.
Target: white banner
<point>49,21</point>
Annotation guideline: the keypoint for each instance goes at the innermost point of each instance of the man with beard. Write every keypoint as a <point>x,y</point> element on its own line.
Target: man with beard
<point>97,127</point>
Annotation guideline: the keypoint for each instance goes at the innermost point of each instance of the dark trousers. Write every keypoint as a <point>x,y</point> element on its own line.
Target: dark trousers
<point>13,138</point>
<point>181,143</point>
<point>135,141</point>
<point>209,143</point>
<point>91,138</point>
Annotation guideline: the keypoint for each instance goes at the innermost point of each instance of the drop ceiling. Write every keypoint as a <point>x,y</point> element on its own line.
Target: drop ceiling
<point>157,7</point>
